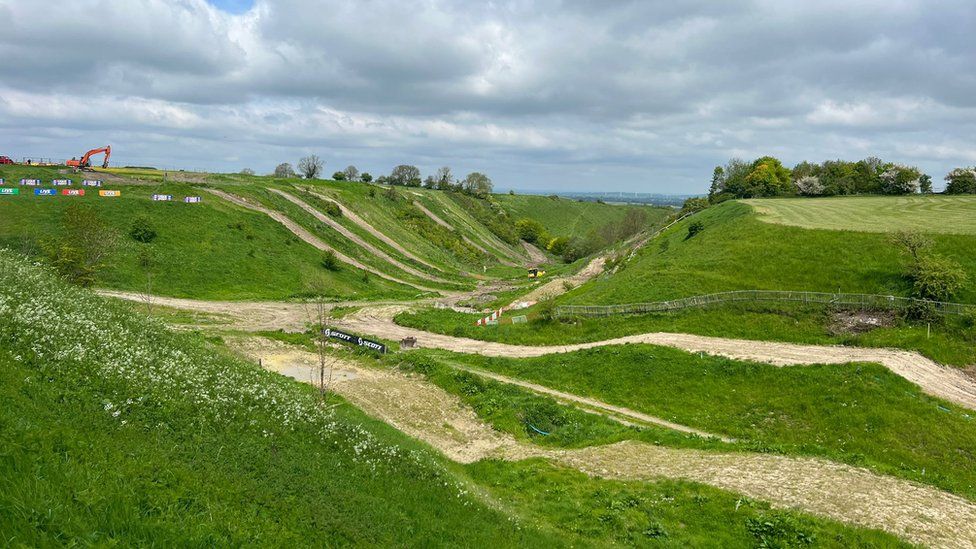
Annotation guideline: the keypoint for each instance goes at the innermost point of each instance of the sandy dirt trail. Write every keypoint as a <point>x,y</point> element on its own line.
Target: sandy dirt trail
<point>536,257</point>
<point>376,319</point>
<point>915,512</point>
<point>434,217</point>
<point>363,224</point>
<point>935,379</point>
<point>309,238</point>
<point>356,238</point>
<point>558,286</point>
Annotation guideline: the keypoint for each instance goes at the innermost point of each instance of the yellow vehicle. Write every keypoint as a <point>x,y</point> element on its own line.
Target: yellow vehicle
<point>536,273</point>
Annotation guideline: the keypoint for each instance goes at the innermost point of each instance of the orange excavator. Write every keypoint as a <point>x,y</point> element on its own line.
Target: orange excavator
<point>85,161</point>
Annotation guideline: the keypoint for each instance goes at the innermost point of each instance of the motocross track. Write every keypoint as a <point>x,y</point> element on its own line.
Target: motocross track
<point>856,496</point>
<point>308,237</point>
<point>356,238</point>
<point>935,379</point>
<point>433,217</point>
<point>363,224</point>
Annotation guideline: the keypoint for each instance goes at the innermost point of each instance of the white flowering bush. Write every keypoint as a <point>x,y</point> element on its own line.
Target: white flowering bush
<point>810,185</point>
<point>149,374</point>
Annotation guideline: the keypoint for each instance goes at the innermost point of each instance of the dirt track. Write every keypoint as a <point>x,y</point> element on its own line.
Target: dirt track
<point>935,379</point>
<point>498,255</point>
<point>309,238</point>
<point>356,238</point>
<point>536,257</point>
<point>919,513</point>
<point>363,224</point>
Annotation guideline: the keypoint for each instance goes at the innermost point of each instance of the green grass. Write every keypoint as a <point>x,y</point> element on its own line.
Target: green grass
<point>951,340</point>
<point>735,251</point>
<point>523,414</point>
<point>211,250</point>
<point>858,414</point>
<point>928,214</point>
<point>117,431</point>
<point>565,217</point>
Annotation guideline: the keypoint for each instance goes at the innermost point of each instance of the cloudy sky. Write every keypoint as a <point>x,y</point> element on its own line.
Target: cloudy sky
<point>575,95</point>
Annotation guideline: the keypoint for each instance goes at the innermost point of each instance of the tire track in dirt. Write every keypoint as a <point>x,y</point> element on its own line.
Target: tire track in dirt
<point>536,257</point>
<point>311,239</point>
<point>363,224</point>
<point>918,513</point>
<point>935,379</point>
<point>501,257</point>
<point>355,238</point>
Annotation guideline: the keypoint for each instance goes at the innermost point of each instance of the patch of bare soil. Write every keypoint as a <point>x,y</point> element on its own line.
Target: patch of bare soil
<point>536,257</point>
<point>918,513</point>
<point>309,238</point>
<point>847,322</point>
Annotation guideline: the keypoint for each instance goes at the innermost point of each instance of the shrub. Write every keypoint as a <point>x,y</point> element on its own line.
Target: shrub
<point>143,230</point>
<point>547,310</point>
<point>558,245</point>
<point>936,278</point>
<point>531,230</point>
<point>330,261</point>
<point>694,229</point>
<point>339,176</point>
<point>961,181</point>
<point>332,208</point>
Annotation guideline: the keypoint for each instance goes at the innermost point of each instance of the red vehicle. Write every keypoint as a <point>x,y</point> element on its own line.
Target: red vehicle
<point>6,160</point>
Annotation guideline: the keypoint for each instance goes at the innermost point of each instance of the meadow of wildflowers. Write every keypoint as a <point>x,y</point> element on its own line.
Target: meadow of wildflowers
<point>116,428</point>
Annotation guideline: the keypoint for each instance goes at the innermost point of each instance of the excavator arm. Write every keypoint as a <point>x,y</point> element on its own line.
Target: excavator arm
<point>85,161</point>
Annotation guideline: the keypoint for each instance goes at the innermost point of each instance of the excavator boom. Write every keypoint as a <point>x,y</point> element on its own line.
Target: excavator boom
<point>85,161</point>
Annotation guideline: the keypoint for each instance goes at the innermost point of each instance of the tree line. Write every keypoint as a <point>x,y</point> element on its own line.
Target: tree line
<point>767,177</point>
<point>404,175</point>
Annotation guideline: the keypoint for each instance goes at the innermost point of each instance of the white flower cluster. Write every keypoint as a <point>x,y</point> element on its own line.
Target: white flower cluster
<point>54,325</point>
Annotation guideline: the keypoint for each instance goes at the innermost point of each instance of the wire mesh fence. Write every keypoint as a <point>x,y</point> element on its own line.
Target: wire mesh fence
<point>860,301</point>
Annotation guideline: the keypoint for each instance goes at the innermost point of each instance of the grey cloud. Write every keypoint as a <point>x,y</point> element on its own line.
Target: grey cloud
<point>644,94</point>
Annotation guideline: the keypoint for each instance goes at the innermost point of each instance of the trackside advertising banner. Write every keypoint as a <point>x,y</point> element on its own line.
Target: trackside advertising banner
<point>114,194</point>
<point>10,190</point>
<point>73,192</point>
<point>91,183</point>
<point>46,192</point>
<point>30,182</point>
<point>355,340</point>
<point>61,182</point>
<point>2,181</point>
<point>162,197</point>
<point>192,199</point>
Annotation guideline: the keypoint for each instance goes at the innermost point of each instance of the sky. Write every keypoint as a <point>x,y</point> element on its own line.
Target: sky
<point>587,95</point>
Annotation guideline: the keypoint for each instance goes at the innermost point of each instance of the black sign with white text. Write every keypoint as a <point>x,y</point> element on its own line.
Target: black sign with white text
<point>355,340</point>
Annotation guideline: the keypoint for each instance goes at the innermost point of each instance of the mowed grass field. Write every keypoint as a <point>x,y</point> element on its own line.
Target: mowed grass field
<point>876,214</point>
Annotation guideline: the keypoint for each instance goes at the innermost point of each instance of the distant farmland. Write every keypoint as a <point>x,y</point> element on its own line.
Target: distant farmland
<point>933,214</point>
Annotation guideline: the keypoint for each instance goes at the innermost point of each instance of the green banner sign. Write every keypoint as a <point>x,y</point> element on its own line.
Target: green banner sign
<point>9,190</point>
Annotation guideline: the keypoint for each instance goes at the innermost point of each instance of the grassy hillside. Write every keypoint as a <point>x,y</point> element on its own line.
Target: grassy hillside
<point>210,250</point>
<point>117,431</point>
<point>931,214</point>
<point>565,217</point>
<point>735,250</point>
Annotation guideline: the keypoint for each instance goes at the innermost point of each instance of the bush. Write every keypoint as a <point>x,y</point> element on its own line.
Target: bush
<point>547,310</point>
<point>330,261</point>
<point>936,278</point>
<point>531,231</point>
<point>558,245</point>
<point>332,208</point>
<point>339,176</point>
<point>142,230</point>
<point>694,229</point>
